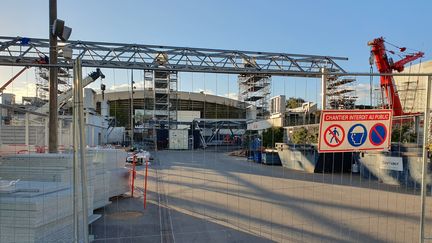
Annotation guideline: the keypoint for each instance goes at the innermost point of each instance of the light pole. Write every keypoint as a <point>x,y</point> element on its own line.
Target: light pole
<point>53,85</point>
<point>132,125</point>
<point>57,29</point>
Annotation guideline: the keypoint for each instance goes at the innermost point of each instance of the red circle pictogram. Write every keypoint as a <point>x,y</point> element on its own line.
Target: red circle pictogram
<point>330,136</point>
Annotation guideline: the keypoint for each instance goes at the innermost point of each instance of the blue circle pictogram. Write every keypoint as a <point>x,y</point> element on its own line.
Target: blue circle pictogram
<point>378,134</point>
<point>357,135</point>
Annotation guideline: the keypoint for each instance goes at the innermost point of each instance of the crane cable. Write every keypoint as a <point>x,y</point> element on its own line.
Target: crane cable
<point>371,63</point>
<point>401,50</point>
<point>417,84</point>
<point>415,50</point>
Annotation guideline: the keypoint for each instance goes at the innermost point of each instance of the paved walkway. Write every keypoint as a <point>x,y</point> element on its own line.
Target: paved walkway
<point>207,196</point>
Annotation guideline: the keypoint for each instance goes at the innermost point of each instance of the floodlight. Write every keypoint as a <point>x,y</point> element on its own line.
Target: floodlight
<point>60,30</point>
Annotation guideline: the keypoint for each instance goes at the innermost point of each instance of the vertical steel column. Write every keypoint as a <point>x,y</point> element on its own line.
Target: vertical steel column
<point>46,123</point>
<point>132,111</point>
<point>75,153</point>
<point>79,154</point>
<point>53,86</point>
<point>82,147</point>
<point>425,156</point>
<point>27,131</point>
<point>371,87</point>
<point>60,134</point>
<point>323,88</point>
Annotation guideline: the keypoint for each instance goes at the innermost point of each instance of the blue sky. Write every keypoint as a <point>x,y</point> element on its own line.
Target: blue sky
<point>332,27</point>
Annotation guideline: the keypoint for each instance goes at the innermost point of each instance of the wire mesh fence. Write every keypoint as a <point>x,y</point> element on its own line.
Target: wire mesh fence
<point>203,172</point>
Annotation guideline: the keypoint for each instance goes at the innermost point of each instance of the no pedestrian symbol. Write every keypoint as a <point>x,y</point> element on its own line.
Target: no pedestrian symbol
<point>357,135</point>
<point>334,135</point>
<point>378,134</point>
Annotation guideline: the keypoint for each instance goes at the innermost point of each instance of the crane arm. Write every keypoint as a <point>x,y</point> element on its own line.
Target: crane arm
<point>384,66</point>
<point>399,65</point>
<point>2,88</point>
<point>68,94</point>
<point>40,60</point>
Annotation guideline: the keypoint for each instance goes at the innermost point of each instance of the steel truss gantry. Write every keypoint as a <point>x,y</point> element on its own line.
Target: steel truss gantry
<point>22,51</point>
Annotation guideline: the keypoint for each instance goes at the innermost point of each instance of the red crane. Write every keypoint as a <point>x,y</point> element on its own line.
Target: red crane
<point>41,60</point>
<point>386,65</point>
<point>4,86</point>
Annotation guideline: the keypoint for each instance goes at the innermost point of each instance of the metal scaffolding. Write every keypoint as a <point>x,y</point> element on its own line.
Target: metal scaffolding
<point>42,84</point>
<point>339,95</point>
<point>255,90</point>
<point>19,51</point>
<point>162,63</point>
<point>164,95</point>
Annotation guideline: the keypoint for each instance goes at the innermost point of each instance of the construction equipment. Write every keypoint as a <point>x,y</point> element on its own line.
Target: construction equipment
<point>386,65</point>
<point>40,60</point>
<point>63,98</point>
<point>2,88</point>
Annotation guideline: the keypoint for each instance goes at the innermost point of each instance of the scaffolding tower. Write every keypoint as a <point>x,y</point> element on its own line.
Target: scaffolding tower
<point>254,89</point>
<point>339,95</point>
<point>164,94</point>
<point>42,83</point>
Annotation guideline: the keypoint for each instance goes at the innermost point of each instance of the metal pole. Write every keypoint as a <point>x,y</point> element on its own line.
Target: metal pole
<point>27,131</point>
<point>371,86</point>
<point>132,111</point>
<point>323,88</point>
<point>75,153</point>
<point>46,123</point>
<point>82,146</point>
<point>60,134</point>
<point>52,145</point>
<point>425,156</point>
<point>145,183</point>
<point>144,106</point>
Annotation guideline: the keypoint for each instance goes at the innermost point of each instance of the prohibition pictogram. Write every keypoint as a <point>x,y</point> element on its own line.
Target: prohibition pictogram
<point>334,135</point>
<point>354,130</point>
<point>378,134</point>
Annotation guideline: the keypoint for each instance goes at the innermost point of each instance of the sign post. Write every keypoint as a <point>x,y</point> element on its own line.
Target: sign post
<point>354,130</point>
<point>425,157</point>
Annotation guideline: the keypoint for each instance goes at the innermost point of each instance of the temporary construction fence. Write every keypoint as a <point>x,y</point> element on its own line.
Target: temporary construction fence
<point>205,194</point>
<point>40,193</point>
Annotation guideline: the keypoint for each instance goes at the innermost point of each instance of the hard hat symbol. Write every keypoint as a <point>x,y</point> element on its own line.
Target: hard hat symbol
<point>357,135</point>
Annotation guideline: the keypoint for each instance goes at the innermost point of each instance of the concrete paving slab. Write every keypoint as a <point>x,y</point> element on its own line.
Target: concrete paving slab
<point>208,196</point>
<point>283,205</point>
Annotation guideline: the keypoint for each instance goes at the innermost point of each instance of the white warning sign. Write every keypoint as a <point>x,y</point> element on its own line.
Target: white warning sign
<point>354,130</point>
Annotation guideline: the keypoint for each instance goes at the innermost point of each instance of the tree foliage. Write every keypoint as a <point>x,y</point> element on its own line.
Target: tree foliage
<point>271,136</point>
<point>304,136</point>
<point>403,134</point>
<point>293,102</point>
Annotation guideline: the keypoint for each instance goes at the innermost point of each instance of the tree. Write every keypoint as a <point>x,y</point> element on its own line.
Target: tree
<point>271,136</point>
<point>299,136</point>
<point>293,102</point>
<point>403,133</point>
<point>305,136</point>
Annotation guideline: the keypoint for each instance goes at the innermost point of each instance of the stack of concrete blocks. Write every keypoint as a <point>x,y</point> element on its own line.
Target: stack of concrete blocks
<point>36,212</point>
<point>46,168</point>
<point>111,177</point>
<point>39,207</point>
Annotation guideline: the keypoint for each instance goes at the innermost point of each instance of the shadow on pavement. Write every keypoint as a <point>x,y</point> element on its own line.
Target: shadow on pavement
<point>125,220</point>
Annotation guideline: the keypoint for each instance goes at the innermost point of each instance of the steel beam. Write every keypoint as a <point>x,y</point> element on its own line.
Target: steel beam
<point>182,59</point>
